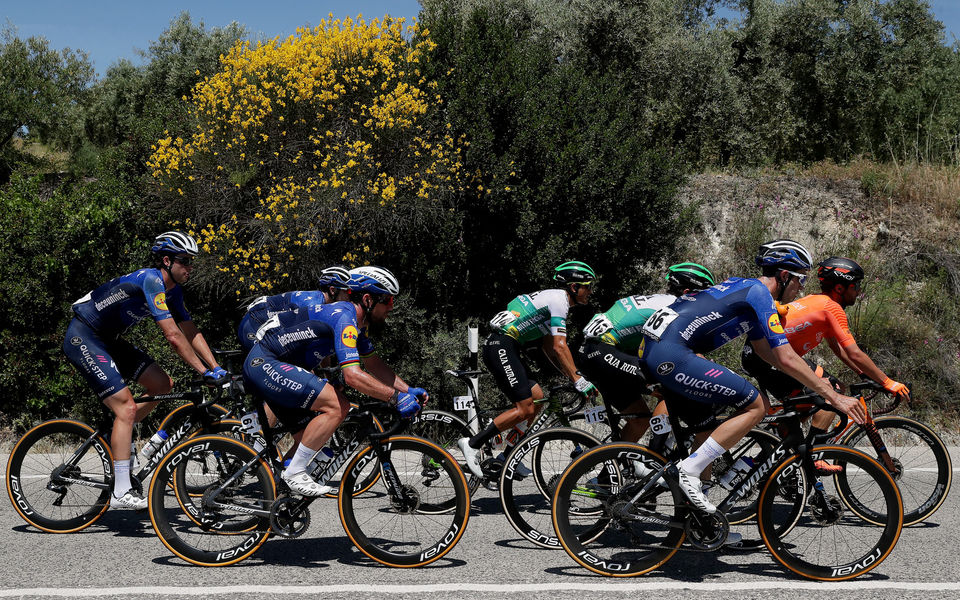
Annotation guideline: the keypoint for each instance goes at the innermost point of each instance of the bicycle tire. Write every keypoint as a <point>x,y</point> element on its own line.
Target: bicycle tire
<point>924,469</point>
<point>177,416</point>
<point>586,505</point>
<point>526,499</point>
<point>444,429</point>
<point>67,507</point>
<point>404,536</point>
<point>828,542</point>
<point>212,536</point>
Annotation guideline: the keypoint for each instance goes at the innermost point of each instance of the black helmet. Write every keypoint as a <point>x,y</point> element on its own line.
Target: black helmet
<point>837,269</point>
<point>689,276</point>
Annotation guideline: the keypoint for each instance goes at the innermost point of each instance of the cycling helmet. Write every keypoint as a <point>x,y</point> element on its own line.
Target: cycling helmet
<point>373,280</point>
<point>337,277</point>
<point>785,254</point>
<point>174,242</point>
<point>689,276</point>
<point>839,270</point>
<point>574,271</point>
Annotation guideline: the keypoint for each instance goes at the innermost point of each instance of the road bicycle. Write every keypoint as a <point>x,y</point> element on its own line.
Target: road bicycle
<point>403,500</point>
<point>615,519</point>
<point>913,454</point>
<point>60,473</point>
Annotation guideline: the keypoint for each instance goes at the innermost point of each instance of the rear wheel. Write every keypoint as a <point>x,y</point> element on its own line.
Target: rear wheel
<point>444,429</point>
<point>60,476</point>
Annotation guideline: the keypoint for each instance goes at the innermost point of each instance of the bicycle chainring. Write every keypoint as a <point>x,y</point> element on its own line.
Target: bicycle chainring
<point>707,532</point>
<point>288,521</point>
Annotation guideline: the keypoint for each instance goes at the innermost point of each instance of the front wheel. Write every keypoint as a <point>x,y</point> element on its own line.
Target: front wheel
<point>229,520</point>
<point>813,533</point>
<point>60,476</point>
<point>921,466</point>
<point>530,475</point>
<point>416,511</point>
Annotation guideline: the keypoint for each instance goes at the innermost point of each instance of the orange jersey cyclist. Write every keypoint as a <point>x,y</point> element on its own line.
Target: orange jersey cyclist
<point>537,319</point>
<point>813,319</point>
<point>676,337</point>
<point>107,362</point>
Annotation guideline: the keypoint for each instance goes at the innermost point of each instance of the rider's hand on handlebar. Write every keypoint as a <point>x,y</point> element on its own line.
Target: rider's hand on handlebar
<point>421,394</point>
<point>852,407</point>
<point>897,389</point>
<point>216,376</point>
<point>406,404</point>
<point>586,388</point>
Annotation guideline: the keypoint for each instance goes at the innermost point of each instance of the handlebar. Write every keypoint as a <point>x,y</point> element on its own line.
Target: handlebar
<point>816,403</point>
<point>869,389</point>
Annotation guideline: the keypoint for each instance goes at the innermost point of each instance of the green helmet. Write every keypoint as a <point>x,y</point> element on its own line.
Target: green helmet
<point>574,271</point>
<point>689,276</point>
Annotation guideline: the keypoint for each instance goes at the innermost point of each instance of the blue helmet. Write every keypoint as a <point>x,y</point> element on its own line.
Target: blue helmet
<point>373,280</point>
<point>785,254</point>
<point>174,242</point>
<point>337,277</point>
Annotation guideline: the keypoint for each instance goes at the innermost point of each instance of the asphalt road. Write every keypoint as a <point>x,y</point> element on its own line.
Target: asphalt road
<point>119,557</point>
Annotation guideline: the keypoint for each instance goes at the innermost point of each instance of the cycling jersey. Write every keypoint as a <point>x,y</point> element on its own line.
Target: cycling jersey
<point>622,324</point>
<point>120,303</point>
<point>701,322</point>
<point>530,317</point>
<point>813,318</point>
<point>264,307</point>
<point>306,338</point>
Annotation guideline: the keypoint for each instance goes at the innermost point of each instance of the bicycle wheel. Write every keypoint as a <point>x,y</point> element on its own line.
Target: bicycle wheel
<point>597,429</point>
<point>60,476</point>
<point>602,528</point>
<point>922,466</point>
<point>221,528</point>
<point>444,429</point>
<point>178,416</point>
<point>824,539</point>
<point>755,448</point>
<point>409,533</point>
<point>530,476</point>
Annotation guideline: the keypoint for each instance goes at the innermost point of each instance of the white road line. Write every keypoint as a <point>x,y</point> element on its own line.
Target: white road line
<point>327,590</point>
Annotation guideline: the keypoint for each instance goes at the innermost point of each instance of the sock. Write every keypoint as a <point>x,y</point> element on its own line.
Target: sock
<point>301,459</point>
<point>484,436</point>
<point>121,477</point>
<point>708,452</point>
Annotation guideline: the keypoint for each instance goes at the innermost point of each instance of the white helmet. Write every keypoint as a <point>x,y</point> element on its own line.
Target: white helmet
<point>373,280</point>
<point>174,242</point>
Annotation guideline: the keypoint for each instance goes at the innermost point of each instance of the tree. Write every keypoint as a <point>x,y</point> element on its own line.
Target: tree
<point>40,92</point>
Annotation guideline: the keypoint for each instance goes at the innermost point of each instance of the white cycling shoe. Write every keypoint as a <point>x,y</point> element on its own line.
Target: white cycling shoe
<point>303,484</point>
<point>471,456</point>
<point>690,485</point>
<point>520,469</point>
<point>129,499</point>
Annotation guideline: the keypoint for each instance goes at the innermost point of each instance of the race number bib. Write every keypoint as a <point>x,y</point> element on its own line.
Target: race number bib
<point>502,319</point>
<point>658,322</point>
<point>250,423</point>
<point>597,326</point>
<point>660,424</point>
<point>597,414</point>
<point>462,402</point>
<point>269,324</point>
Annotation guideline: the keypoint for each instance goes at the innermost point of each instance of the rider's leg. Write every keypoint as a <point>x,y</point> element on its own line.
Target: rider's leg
<point>331,408</point>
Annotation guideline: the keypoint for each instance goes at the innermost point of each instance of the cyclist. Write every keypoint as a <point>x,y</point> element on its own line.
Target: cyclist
<point>676,336</point>
<point>278,368</point>
<point>106,361</point>
<point>332,287</point>
<point>531,319</point>
<point>609,356</point>
<point>815,318</point>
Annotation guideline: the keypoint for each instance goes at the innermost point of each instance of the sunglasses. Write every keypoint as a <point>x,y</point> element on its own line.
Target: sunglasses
<point>801,279</point>
<point>183,260</point>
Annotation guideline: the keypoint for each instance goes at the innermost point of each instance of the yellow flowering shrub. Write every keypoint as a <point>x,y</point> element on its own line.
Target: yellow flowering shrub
<point>310,151</point>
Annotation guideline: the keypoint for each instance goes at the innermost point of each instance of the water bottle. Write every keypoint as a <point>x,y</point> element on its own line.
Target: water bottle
<point>153,444</point>
<point>736,471</point>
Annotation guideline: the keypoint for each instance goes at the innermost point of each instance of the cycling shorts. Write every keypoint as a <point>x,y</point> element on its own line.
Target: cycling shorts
<point>618,376</point>
<point>681,371</point>
<point>284,387</point>
<point>502,355</point>
<point>777,383</point>
<point>107,364</point>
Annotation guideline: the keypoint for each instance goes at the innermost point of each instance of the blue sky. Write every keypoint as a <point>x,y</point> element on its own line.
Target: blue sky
<point>112,29</point>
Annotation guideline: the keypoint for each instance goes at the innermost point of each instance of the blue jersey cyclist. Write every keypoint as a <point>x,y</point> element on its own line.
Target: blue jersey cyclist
<point>278,369</point>
<point>107,362</point>
<point>676,336</point>
<point>332,287</point>
<point>531,320</point>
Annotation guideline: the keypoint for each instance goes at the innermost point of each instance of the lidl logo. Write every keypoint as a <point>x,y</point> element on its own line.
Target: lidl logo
<point>774,323</point>
<point>349,336</point>
<point>160,301</point>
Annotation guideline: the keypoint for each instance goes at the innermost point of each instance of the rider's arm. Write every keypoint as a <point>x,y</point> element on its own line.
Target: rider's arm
<point>556,349</point>
<point>181,344</point>
<point>787,360</point>
<point>365,383</point>
<point>858,360</point>
<point>198,343</point>
<point>383,372</point>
